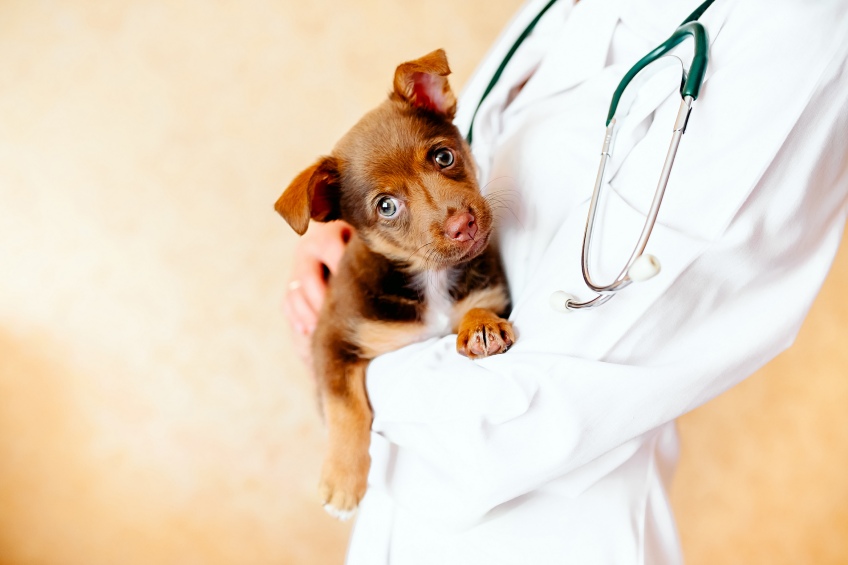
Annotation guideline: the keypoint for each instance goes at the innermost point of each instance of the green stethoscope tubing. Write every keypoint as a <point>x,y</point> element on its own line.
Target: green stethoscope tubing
<point>688,28</point>
<point>640,266</point>
<point>697,70</point>
<point>507,58</point>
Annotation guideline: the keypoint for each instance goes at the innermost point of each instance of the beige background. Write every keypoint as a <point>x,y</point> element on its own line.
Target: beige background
<point>151,407</point>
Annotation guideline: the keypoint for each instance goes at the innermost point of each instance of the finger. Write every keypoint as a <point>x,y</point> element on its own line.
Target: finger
<point>303,348</point>
<point>314,288</point>
<point>296,327</point>
<point>301,315</point>
<point>302,340</point>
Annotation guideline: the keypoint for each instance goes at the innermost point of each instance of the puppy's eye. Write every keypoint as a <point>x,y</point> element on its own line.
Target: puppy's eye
<point>387,207</point>
<point>444,157</point>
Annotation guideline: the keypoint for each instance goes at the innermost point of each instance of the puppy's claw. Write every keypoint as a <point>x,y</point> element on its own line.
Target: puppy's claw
<point>339,504</point>
<point>342,515</point>
<point>485,337</point>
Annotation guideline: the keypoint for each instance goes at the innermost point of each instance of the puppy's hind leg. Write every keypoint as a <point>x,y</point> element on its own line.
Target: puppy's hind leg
<point>348,416</point>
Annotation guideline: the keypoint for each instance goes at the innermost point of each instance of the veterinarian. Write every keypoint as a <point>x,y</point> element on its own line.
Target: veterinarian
<point>561,450</point>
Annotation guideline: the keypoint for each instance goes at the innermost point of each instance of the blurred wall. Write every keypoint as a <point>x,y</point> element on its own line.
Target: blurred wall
<point>152,409</point>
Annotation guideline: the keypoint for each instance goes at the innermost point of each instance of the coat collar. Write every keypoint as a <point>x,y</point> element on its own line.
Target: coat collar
<point>578,50</point>
<point>581,48</point>
<point>473,90</point>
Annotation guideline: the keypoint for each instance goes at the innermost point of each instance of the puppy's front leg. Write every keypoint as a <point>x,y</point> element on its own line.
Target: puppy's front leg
<point>482,333</point>
<point>348,416</point>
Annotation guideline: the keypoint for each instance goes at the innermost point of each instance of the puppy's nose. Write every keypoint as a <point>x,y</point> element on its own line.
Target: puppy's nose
<point>461,227</point>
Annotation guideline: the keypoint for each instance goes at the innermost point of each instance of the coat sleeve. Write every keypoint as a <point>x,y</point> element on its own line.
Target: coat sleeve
<point>465,436</point>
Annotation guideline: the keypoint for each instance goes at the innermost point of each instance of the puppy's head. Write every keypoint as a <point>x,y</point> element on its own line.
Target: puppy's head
<point>403,176</point>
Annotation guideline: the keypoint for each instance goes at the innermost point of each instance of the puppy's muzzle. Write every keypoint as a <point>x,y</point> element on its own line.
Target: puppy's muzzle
<point>461,227</point>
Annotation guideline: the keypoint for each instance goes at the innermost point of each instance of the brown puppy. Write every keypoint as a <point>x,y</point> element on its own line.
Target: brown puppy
<point>418,265</point>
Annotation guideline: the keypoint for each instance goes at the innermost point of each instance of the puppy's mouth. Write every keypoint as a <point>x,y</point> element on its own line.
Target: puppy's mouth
<point>455,254</point>
<point>477,246</point>
<point>467,250</point>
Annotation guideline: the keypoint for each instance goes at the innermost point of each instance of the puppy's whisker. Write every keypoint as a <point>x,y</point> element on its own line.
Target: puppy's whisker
<point>497,202</point>
<point>429,263</point>
<point>491,181</point>
<point>499,198</point>
<point>419,249</point>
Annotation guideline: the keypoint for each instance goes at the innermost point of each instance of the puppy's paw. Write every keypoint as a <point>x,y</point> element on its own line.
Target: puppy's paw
<point>482,333</point>
<point>342,487</point>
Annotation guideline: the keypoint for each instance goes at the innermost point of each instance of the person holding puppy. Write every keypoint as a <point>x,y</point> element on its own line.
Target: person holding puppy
<point>560,451</point>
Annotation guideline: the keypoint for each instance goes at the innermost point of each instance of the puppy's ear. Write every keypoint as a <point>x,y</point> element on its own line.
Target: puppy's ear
<point>423,84</point>
<point>314,194</point>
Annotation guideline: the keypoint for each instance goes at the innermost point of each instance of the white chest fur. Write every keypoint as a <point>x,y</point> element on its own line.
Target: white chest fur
<point>434,287</point>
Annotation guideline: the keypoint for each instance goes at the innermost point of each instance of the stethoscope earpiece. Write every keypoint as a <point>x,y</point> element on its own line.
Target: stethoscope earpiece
<point>643,268</point>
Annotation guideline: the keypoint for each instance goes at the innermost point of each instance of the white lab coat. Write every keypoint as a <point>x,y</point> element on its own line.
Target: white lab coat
<point>559,451</point>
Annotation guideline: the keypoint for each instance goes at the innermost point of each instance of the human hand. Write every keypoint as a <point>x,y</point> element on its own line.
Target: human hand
<point>316,257</point>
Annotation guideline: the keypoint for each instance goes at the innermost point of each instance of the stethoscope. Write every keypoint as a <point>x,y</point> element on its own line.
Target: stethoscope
<point>640,266</point>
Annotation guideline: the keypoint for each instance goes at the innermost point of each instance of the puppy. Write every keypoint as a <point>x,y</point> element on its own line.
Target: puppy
<point>417,265</point>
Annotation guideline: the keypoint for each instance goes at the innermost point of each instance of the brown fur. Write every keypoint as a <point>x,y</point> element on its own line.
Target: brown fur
<point>397,271</point>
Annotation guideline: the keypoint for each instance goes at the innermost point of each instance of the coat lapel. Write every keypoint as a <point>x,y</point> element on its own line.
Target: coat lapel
<point>472,92</point>
<point>578,52</point>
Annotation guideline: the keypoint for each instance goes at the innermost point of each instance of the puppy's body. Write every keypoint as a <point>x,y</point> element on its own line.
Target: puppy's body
<point>418,265</point>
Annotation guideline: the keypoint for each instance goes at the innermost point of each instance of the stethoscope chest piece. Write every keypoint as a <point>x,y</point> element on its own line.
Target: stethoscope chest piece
<point>645,267</point>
